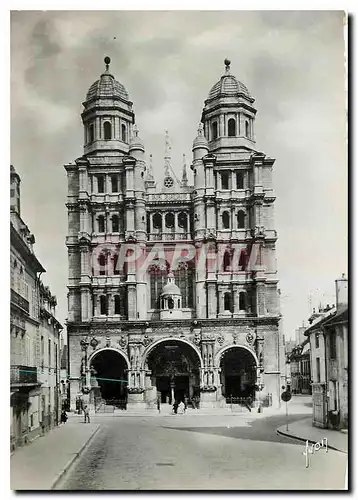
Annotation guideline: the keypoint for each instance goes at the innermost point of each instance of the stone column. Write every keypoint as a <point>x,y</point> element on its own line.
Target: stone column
<point>221,302</point>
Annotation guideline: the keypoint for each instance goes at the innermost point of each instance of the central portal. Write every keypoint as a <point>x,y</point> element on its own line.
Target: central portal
<point>175,372</point>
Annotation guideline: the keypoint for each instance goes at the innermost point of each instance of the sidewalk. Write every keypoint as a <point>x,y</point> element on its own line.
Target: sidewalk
<point>39,465</point>
<point>303,430</point>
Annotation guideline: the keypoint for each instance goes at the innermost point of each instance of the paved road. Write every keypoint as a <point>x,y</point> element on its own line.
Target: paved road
<point>175,453</point>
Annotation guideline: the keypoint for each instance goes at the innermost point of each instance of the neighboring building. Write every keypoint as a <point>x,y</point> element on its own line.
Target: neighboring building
<point>300,369</point>
<point>49,374</point>
<point>64,383</point>
<point>203,322</point>
<point>26,328</point>
<point>328,336</point>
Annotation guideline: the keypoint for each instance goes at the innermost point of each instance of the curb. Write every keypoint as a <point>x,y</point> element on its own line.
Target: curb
<point>298,438</point>
<point>72,460</point>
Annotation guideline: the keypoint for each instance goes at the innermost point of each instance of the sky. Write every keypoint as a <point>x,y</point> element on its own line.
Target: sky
<point>291,62</point>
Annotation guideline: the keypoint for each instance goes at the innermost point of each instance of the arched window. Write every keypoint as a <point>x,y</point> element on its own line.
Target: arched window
<point>227,302</point>
<point>240,219</point>
<point>227,261</point>
<point>183,220</point>
<point>91,133</point>
<point>102,263</point>
<point>224,180</point>
<point>184,277</point>
<point>242,301</point>
<point>103,305</point>
<point>115,224</point>
<point>107,131</point>
<point>101,223</point>
<point>226,220</point>
<point>169,220</point>
<point>123,133</point>
<point>231,125</point>
<point>239,180</point>
<point>157,221</point>
<point>214,130</point>
<point>148,223</point>
<point>243,259</point>
<point>117,304</point>
<point>170,303</point>
<point>247,129</point>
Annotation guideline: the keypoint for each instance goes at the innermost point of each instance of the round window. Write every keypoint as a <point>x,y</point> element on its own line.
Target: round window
<point>168,182</point>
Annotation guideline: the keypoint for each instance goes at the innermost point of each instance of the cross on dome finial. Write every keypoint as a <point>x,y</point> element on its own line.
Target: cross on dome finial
<point>135,131</point>
<point>227,63</point>
<point>200,129</point>
<point>107,61</point>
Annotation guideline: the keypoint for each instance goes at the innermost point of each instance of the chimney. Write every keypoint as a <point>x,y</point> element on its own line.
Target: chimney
<point>342,293</point>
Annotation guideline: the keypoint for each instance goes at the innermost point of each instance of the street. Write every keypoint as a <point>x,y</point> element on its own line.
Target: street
<point>182,452</point>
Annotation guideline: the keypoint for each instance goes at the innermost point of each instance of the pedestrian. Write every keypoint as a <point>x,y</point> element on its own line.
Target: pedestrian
<point>186,402</point>
<point>175,407</point>
<point>158,403</point>
<point>181,408</point>
<point>64,417</point>
<point>86,414</point>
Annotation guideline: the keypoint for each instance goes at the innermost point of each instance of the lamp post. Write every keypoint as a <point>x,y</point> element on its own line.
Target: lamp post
<point>84,346</point>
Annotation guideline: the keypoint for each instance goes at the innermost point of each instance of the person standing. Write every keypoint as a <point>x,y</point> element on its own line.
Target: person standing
<point>64,417</point>
<point>86,414</point>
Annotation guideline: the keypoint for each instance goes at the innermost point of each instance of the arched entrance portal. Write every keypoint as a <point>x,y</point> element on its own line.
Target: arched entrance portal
<point>175,371</point>
<point>238,373</point>
<point>110,370</point>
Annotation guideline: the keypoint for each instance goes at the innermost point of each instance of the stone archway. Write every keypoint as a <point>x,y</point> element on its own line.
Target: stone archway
<point>109,373</point>
<point>173,369</point>
<point>238,372</point>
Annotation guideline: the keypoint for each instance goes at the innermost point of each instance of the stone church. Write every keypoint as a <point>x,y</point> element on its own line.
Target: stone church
<point>172,288</point>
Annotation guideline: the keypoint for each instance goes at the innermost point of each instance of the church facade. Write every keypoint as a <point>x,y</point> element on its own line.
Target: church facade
<point>172,288</point>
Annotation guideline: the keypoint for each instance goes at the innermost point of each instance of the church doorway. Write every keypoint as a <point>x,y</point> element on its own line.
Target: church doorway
<point>175,371</point>
<point>238,373</point>
<point>109,373</point>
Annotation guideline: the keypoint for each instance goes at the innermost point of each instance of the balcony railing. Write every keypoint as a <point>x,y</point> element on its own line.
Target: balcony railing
<point>19,301</point>
<point>23,375</point>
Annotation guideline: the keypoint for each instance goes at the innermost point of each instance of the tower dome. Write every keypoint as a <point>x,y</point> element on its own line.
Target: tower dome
<point>228,85</point>
<point>107,87</point>
<point>171,288</point>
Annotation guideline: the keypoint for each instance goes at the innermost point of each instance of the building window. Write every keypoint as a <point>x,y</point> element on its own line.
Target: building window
<point>157,221</point>
<point>242,301</point>
<point>114,183</point>
<point>224,180</point>
<point>102,262</point>
<point>116,266</point>
<point>231,127</point>
<point>214,130</point>
<point>184,277</point>
<point>318,369</point>
<point>42,352</point>
<point>241,219</point>
<point>317,340</point>
<point>247,129</point>
<point>227,261</point>
<point>100,183</point>
<point>226,220</point>
<point>227,302</point>
<point>107,131</point>
<point>117,304</point>
<point>332,345</point>
<point>101,223</point>
<point>123,133</point>
<point>183,220</point>
<point>239,180</point>
<point>103,305</point>
<point>169,220</point>
<point>115,224</point>
<point>157,281</point>
<point>49,353</point>
<point>91,133</point>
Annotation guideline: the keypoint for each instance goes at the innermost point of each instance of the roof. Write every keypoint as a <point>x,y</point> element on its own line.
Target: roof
<point>321,320</point>
<point>228,85</point>
<point>107,87</point>
<point>171,289</point>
